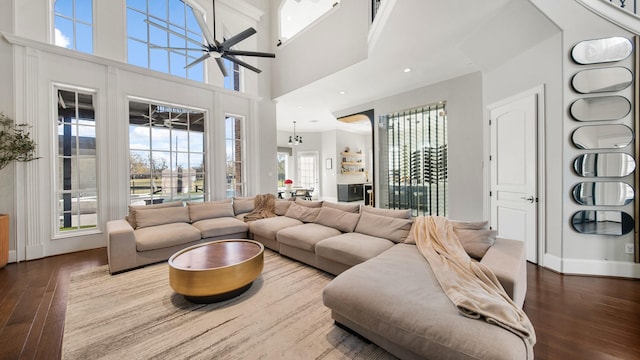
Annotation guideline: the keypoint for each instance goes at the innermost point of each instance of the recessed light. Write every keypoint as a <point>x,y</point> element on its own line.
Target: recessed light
<point>407,70</point>
<point>342,92</point>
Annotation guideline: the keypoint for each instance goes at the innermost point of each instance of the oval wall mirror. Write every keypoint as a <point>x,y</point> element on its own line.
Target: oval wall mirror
<point>602,80</point>
<point>603,193</point>
<point>602,222</point>
<point>600,108</point>
<point>604,165</point>
<point>602,137</point>
<point>602,50</point>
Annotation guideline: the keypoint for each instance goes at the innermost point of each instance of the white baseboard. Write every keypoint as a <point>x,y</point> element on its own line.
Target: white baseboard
<point>601,267</point>
<point>12,256</point>
<point>592,267</point>
<point>552,262</point>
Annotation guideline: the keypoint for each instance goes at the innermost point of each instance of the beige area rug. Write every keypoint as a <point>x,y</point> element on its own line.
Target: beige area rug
<point>136,315</point>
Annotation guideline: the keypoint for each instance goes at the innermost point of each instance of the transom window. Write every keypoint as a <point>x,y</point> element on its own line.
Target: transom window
<point>73,24</point>
<point>76,168</point>
<point>166,153</point>
<point>154,25</point>
<point>232,82</point>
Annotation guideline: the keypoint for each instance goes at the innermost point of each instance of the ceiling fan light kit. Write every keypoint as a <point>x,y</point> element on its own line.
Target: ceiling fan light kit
<point>213,48</point>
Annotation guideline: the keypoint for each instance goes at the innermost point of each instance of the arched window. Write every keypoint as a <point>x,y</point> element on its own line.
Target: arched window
<point>73,24</point>
<point>154,25</point>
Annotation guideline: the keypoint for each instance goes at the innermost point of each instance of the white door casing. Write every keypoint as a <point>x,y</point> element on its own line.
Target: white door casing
<point>513,171</point>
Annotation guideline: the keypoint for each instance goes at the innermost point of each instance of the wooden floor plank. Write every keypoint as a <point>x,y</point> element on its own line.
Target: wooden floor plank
<point>575,317</point>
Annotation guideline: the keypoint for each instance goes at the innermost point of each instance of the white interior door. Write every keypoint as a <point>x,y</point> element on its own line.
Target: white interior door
<point>308,171</point>
<point>514,171</point>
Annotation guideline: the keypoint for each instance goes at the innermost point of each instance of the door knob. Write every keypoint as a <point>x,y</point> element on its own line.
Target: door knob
<point>530,199</point>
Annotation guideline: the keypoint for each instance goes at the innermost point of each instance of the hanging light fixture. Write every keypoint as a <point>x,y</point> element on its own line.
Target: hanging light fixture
<point>295,139</point>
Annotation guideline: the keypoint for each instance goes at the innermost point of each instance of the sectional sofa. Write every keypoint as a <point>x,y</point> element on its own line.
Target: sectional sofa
<point>384,289</point>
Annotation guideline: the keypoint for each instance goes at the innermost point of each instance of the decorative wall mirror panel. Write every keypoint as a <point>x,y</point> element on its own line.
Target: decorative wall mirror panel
<point>602,222</point>
<point>602,50</point>
<point>602,137</point>
<point>604,165</point>
<point>603,193</point>
<point>602,80</point>
<point>600,108</point>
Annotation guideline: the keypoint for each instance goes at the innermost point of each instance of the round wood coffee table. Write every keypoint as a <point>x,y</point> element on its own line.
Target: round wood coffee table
<point>217,270</point>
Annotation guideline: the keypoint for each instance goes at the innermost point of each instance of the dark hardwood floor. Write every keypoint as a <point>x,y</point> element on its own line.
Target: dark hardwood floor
<point>575,317</point>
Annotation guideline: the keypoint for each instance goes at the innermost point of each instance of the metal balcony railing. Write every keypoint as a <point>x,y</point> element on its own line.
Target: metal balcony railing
<point>629,5</point>
<point>375,5</point>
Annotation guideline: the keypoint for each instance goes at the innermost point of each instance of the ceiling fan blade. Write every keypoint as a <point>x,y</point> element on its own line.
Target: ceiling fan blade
<point>181,36</point>
<point>227,44</point>
<point>203,26</point>
<point>198,60</point>
<point>223,69</point>
<point>242,63</point>
<point>249,53</point>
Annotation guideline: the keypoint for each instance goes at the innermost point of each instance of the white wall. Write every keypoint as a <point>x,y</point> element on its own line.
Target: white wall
<point>335,41</point>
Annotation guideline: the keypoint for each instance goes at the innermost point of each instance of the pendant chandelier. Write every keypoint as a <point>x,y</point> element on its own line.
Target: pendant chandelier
<point>295,139</point>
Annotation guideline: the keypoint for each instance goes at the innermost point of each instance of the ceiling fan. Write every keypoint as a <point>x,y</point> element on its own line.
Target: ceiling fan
<point>213,48</point>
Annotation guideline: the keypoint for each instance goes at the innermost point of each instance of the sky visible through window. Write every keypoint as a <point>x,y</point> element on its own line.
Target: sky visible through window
<point>73,24</point>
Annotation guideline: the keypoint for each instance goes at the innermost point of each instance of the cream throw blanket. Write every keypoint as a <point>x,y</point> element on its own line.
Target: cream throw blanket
<point>470,285</point>
<point>264,207</point>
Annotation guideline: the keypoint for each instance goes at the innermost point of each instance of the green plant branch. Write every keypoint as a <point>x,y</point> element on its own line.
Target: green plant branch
<point>15,142</point>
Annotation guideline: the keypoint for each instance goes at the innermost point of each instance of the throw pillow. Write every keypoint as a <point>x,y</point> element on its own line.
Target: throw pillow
<point>338,219</point>
<point>385,227</point>
<point>282,206</point>
<point>476,242</point>
<point>153,217</point>
<point>131,218</point>
<point>400,214</point>
<point>469,225</point>
<point>243,205</point>
<point>352,208</point>
<point>302,213</point>
<point>308,203</point>
<point>210,210</point>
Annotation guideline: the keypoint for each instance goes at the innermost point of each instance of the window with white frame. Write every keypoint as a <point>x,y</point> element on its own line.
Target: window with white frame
<point>166,153</point>
<point>308,169</point>
<point>155,25</point>
<point>73,24</point>
<point>234,149</point>
<point>77,194</point>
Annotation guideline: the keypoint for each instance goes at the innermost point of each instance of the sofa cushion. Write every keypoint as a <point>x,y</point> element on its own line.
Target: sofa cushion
<point>131,217</point>
<point>220,226</point>
<point>210,210</point>
<point>351,248</point>
<point>242,205</point>
<point>305,236</point>
<point>309,203</point>
<point>390,228</point>
<point>282,206</point>
<point>476,242</point>
<point>269,227</point>
<point>337,219</point>
<point>153,217</point>
<point>303,213</point>
<point>396,296</point>
<point>400,214</point>
<point>167,235</point>
<point>353,208</point>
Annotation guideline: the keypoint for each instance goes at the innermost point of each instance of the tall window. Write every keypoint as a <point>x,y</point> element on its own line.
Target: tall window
<point>76,169</point>
<point>414,152</point>
<point>166,153</point>
<point>284,154</point>
<point>155,25</point>
<point>232,80</point>
<point>235,164</point>
<point>73,24</point>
